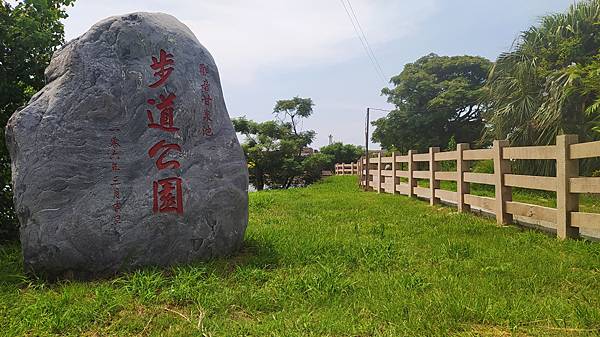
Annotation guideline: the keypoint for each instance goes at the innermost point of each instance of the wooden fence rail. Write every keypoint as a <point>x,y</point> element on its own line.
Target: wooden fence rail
<point>399,174</point>
<point>346,169</point>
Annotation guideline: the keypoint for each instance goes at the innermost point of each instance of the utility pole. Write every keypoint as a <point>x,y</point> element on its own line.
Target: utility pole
<point>367,145</point>
<point>367,151</point>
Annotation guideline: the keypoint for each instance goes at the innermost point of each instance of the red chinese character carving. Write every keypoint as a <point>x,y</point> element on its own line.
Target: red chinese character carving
<point>203,69</point>
<point>166,113</point>
<point>160,163</point>
<point>168,196</point>
<point>161,67</point>
<point>114,142</point>
<point>205,86</point>
<point>206,116</point>
<point>114,154</point>
<point>206,99</point>
<point>115,167</point>
<point>207,131</point>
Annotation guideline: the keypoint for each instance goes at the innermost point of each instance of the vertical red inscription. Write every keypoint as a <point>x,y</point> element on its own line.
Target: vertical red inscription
<point>168,192</point>
<point>206,100</point>
<point>115,148</point>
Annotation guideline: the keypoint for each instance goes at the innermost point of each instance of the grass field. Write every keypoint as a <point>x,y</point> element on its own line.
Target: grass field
<point>329,260</point>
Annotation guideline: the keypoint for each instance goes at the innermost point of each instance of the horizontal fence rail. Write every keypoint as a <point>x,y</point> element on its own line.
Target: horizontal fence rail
<point>398,174</point>
<point>346,169</point>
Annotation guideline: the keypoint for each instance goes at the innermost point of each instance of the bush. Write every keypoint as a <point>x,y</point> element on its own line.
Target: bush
<point>313,165</point>
<point>484,166</point>
<point>9,226</point>
<point>342,153</point>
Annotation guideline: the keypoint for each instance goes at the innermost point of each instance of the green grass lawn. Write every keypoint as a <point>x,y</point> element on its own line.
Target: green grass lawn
<point>329,260</point>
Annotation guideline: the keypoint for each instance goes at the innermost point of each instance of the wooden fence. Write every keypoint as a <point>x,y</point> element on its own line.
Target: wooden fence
<point>346,169</point>
<point>385,174</point>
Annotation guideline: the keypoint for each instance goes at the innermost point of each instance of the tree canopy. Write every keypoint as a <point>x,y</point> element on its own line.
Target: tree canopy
<point>294,109</point>
<point>436,97</point>
<point>549,83</point>
<point>30,32</point>
<point>274,148</point>
<point>342,153</point>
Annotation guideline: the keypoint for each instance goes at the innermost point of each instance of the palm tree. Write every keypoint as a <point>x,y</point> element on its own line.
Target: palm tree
<point>549,83</point>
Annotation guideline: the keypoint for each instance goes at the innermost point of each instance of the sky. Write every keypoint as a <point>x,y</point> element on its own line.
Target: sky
<point>267,50</point>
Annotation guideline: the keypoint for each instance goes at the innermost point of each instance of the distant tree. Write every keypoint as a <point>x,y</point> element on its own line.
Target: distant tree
<point>273,148</point>
<point>313,165</point>
<point>294,109</point>
<point>342,153</point>
<point>30,32</point>
<point>436,97</point>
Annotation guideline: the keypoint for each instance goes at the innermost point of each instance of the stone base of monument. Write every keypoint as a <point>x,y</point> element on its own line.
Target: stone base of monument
<point>127,157</point>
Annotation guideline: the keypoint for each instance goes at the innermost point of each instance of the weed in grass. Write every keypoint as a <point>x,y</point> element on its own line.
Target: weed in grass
<point>457,250</point>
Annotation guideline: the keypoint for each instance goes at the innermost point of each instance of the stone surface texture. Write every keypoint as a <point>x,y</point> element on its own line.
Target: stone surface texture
<point>83,216</point>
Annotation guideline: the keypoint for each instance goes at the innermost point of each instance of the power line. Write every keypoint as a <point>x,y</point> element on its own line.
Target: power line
<point>373,61</point>
<point>360,38</point>
<point>365,38</point>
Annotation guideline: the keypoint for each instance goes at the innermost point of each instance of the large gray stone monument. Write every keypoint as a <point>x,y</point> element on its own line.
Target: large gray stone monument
<point>127,157</point>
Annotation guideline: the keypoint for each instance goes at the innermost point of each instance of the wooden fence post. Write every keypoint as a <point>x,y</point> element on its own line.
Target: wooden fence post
<point>433,167</point>
<point>503,193</point>
<point>379,172</point>
<point>393,172</point>
<point>462,187</point>
<point>359,168</point>
<point>412,182</point>
<point>362,172</point>
<point>566,202</point>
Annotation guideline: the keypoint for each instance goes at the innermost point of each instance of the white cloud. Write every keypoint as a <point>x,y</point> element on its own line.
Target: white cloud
<point>247,37</point>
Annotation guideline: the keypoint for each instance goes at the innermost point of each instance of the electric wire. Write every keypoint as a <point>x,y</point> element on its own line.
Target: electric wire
<point>365,39</point>
<point>373,62</point>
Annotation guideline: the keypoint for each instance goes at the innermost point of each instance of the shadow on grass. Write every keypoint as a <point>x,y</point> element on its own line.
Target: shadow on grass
<point>253,254</point>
